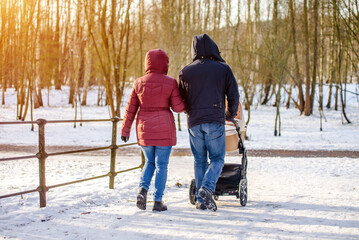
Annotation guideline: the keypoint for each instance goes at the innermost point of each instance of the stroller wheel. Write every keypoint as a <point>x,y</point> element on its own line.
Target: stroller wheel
<point>216,197</point>
<point>192,192</point>
<point>243,192</point>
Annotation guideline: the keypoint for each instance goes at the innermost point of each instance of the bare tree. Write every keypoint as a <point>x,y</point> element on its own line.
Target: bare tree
<point>307,104</point>
<point>315,53</point>
<point>53,43</point>
<point>297,77</point>
<point>57,76</point>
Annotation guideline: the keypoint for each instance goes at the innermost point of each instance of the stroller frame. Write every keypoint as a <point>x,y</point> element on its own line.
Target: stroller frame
<point>233,178</point>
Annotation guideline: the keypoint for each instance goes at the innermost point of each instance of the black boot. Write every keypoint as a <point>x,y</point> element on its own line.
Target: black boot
<point>159,206</point>
<point>142,198</point>
<point>206,195</point>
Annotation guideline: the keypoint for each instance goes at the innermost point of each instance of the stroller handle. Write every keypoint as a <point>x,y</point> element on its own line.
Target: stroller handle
<point>236,124</point>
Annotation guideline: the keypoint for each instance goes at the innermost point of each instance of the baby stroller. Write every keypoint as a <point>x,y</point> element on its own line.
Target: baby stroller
<point>233,179</point>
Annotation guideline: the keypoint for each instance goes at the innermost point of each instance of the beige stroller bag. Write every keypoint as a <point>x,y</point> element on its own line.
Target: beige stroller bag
<point>232,137</point>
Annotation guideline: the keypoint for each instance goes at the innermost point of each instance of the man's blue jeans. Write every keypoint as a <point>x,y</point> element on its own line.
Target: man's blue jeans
<point>156,159</point>
<point>207,139</point>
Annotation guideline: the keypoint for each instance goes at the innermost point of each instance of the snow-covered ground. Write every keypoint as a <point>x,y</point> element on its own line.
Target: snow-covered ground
<point>289,198</point>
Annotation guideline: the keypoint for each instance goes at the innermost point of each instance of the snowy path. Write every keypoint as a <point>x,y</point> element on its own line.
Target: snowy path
<point>289,198</point>
<point>133,150</point>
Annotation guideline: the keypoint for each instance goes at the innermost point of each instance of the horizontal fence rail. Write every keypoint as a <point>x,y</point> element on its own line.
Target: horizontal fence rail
<point>42,155</point>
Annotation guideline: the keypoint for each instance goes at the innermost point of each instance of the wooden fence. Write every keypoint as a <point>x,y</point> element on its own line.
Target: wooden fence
<point>42,155</point>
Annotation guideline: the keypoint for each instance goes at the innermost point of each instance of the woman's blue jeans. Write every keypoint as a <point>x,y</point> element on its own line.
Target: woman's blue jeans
<point>207,139</point>
<point>156,159</point>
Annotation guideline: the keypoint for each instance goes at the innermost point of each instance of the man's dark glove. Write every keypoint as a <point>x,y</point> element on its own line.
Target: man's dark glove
<point>229,116</point>
<point>125,139</point>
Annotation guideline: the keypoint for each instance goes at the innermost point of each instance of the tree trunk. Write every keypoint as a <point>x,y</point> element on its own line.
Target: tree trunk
<point>81,73</point>
<point>343,92</point>
<point>277,122</point>
<point>57,48</point>
<point>321,73</point>
<point>332,68</point>
<point>140,17</point>
<point>315,53</point>
<point>297,78</point>
<point>71,80</point>
<point>339,48</point>
<point>65,52</point>
<point>85,89</point>
<point>307,104</point>
<point>267,87</point>
<point>89,60</point>
<point>116,62</point>
<point>124,75</point>
<point>2,50</point>
<point>287,105</point>
<point>277,75</point>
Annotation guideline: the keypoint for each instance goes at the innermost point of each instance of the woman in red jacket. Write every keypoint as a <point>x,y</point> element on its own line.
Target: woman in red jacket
<point>154,93</point>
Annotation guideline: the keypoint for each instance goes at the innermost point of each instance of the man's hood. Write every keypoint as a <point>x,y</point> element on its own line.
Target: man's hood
<point>156,61</point>
<point>204,47</point>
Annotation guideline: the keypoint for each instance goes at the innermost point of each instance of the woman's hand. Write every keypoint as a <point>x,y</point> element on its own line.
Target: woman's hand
<point>125,139</point>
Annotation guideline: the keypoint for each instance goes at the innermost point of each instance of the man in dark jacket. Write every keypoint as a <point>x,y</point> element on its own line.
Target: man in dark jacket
<point>204,86</point>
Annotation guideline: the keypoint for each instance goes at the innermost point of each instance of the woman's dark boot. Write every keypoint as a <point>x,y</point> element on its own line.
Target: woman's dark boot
<point>142,198</point>
<point>159,206</point>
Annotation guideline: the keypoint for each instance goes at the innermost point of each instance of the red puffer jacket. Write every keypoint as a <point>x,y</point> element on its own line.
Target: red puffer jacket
<point>154,94</point>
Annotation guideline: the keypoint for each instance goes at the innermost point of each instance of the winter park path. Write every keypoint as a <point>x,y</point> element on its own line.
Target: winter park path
<point>130,151</point>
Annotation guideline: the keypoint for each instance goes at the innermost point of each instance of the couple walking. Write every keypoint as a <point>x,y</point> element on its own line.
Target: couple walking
<point>204,85</point>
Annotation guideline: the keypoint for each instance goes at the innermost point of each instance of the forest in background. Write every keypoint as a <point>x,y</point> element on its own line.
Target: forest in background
<point>295,46</point>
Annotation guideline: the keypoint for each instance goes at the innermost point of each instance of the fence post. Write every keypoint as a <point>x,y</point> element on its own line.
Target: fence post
<point>113,152</point>
<point>42,155</point>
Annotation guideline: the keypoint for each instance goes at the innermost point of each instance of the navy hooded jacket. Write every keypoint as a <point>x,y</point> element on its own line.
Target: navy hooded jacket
<point>206,82</point>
